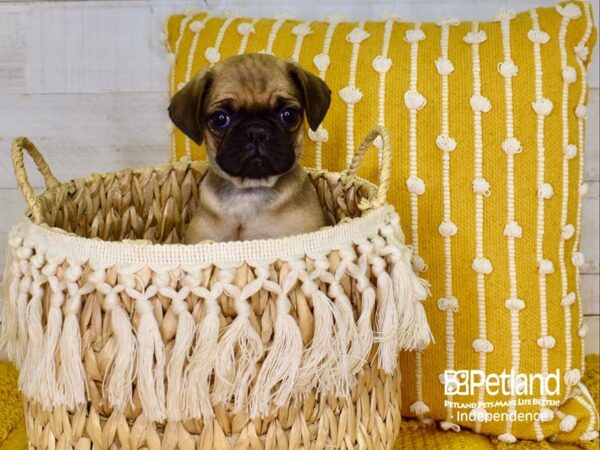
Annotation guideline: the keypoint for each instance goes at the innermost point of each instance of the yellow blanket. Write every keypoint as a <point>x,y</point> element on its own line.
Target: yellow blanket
<point>414,435</point>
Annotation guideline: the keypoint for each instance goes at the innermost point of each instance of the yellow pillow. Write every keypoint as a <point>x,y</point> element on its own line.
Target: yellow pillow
<point>487,120</point>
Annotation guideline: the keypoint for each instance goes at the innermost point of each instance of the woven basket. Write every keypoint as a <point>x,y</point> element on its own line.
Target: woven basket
<point>127,339</point>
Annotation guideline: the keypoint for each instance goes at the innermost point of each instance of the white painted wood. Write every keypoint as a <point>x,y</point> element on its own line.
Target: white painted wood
<point>12,207</point>
<point>100,46</point>
<point>82,133</point>
<point>592,340</point>
<point>590,230</point>
<point>592,138</point>
<point>80,47</point>
<point>590,285</point>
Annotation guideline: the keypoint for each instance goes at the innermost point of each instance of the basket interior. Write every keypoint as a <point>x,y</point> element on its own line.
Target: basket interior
<point>157,203</point>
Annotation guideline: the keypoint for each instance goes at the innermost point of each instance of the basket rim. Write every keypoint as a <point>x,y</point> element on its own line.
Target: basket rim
<point>222,254</point>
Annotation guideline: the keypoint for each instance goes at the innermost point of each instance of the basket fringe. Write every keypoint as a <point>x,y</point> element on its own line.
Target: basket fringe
<point>183,343</point>
<point>234,371</point>
<point>71,371</point>
<point>119,374</point>
<point>357,332</point>
<point>199,371</point>
<point>320,360</point>
<point>365,329</point>
<point>205,367</point>
<point>27,382</point>
<point>339,380</point>
<point>35,332</point>
<point>368,298</point>
<point>409,291</point>
<point>72,374</point>
<point>351,346</point>
<point>343,354</point>
<point>10,291</point>
<point>46,380</point>
<point>151,356</point>
<point>22,300</point>
<point>386,319</point>
<point>313,356</point>
<point>282,363</point>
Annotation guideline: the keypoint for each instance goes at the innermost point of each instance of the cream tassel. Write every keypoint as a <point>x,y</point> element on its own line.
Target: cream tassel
<point>35,331</point>
<point>282,364</point>
<point>234,372</point>
<point>22,300</point>
<point>338,378</point>
<point>365,320</point>
<point>386,317</point>
<point>334,375</point>
<point>318,360</point>
<point>10,293</point>
<point>120,373</point>
<point>350,346</point>
<point>409,291</point>
<point>362,330</point>
<point>364,323</point>
<point>71,375</point>
<point>204,355</point>
<point>49,394</point>
<point>150,374</point>
<point>314,356</point>
<point>179,352</point>
<point>27,382</point>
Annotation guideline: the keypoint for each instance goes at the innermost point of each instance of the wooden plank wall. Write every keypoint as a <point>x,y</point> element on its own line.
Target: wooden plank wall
<point>86,81</point>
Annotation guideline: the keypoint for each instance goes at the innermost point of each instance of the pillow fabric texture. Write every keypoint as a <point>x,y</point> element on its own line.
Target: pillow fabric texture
<point>487,120</point>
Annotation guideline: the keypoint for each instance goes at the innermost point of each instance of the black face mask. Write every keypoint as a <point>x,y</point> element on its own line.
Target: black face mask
<point>257,145</point>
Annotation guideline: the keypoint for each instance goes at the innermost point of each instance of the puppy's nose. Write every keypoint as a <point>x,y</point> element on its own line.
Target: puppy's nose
<point>257,134</point>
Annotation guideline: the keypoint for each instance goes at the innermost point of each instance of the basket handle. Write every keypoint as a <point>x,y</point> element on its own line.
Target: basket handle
<point>21,145</point>
<point>385,165</point>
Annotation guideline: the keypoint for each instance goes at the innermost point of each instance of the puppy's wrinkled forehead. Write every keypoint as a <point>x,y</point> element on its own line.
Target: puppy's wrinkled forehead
<point>252,81</point>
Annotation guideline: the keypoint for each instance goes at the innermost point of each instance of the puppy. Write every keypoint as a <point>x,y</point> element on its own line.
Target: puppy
<point>249,111</point>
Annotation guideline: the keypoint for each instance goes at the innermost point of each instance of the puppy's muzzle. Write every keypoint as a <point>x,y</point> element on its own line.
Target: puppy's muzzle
<point>257,138</point>
<point>256,149</point>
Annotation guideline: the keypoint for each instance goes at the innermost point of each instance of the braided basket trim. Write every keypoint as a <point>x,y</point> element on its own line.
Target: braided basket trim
<point>221,254</point>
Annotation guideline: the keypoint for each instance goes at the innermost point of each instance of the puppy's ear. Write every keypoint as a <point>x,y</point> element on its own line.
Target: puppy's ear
<point>316,95</point>
<point>186,105</point>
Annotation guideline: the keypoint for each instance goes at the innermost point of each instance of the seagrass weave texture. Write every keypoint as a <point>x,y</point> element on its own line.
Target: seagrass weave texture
<point>126,339</point>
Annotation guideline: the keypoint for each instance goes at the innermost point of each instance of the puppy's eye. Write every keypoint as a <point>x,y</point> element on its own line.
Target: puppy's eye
<point>289,116</point>
<point>220,120</point>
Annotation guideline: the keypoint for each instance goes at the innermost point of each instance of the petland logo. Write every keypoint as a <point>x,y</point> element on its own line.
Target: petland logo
<point>467,382</point>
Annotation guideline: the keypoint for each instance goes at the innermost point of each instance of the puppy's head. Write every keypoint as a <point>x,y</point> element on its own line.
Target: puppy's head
<point>249,110</point>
